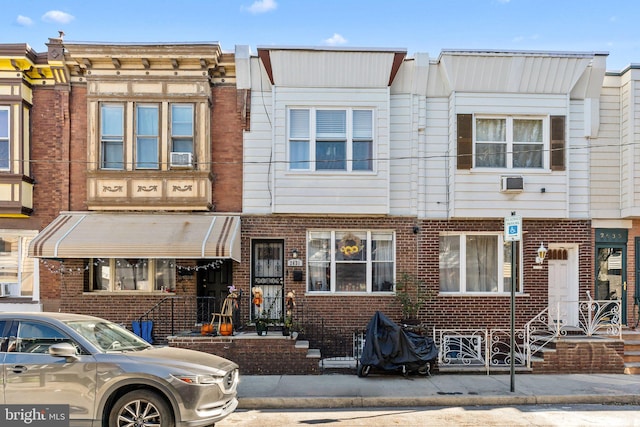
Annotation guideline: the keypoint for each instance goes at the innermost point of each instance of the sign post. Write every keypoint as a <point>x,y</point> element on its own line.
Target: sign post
<point>513,234</point>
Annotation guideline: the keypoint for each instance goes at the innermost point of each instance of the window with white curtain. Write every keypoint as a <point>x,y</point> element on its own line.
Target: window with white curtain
<point>133,274</point>
<point>331,139</point>
<point>4,138</point>
<point>510,142</point>
<point>477,263</point>
<point>351,261</point>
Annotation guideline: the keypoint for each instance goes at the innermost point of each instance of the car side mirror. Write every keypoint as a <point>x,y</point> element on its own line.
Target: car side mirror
<point>63,349</point>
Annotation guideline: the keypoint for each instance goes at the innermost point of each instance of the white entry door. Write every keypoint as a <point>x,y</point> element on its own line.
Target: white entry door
<point>563,287</point>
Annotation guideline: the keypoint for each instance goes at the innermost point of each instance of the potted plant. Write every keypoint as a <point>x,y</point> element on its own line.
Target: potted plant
<point>263,317</point>
<point>412,295</point>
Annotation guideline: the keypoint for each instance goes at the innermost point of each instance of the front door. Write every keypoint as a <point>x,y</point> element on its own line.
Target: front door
<point>611,267</point>
<point>214,279</point>
<point>611,277</point>
<point>267,274</point>
<point>563,286</point>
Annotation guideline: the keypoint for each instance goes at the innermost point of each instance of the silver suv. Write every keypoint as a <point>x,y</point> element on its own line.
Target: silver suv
<point>108,376</point>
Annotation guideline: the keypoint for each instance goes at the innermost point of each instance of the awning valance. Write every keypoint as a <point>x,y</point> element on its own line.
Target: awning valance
<point>144,235</point>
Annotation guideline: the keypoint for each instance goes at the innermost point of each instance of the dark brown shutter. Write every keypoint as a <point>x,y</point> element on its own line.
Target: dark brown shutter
<point>557,155</point>
<point>465,141</point>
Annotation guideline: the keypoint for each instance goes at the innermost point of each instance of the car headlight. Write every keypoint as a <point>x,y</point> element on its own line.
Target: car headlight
<point>200,379</point>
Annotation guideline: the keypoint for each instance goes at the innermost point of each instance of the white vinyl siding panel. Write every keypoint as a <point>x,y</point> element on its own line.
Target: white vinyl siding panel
<point>577,159</point>
<point>404,153</point>
<point>605,156</point>
<point>437,159</point>
<point>257,152</point>
<point>331,191</point>
<point>476,193</point>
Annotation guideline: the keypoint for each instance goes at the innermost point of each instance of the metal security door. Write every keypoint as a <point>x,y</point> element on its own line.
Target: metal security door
<point>267,273</point>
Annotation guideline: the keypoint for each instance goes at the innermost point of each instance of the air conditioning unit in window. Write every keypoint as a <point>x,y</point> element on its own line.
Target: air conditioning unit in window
<point>181,160</point>
<point>511,184</point>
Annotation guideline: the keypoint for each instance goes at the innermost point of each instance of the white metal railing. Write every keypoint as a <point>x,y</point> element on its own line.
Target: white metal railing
<point>491,347</point>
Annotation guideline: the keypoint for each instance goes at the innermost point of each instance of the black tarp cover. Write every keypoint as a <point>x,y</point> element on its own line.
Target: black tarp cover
<point>389,347</point>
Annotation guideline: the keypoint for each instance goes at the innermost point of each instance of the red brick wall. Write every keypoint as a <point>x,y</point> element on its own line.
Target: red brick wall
<point>78,148</point>
<point>583,356</point>
<point>226,149</point>
<point>418,254</point>
<point>257,356</point>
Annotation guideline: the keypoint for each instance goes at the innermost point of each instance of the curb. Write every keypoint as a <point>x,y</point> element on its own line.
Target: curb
<point>369,402</point>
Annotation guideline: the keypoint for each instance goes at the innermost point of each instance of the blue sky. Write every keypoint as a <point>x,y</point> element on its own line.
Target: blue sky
<point>416,25</point>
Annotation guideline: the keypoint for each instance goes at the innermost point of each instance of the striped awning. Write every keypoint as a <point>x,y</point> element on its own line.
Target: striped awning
<point>144,235</point>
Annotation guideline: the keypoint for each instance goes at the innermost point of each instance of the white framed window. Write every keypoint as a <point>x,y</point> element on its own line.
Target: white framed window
<point>510,142</point>
<point>182,128</point>
<point>330,139</point>
<point>351,261</point>
<point>147,136</point>
<point>17,270</point>
<point>133,274</point>
<point>477,263</point>
<point>112,136</point>
<point>5,146</point>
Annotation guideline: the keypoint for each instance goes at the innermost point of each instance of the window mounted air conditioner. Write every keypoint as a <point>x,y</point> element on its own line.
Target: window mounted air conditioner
<point>181,160</point>
<point>511,184</point>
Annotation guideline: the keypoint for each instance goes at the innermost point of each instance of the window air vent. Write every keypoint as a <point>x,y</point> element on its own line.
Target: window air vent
<point>181,160</point>
<point>511,183</point>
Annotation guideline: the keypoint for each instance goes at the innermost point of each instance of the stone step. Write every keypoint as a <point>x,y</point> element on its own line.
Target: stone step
<point>302,344</point>
<point>313,353</point>
<point>631,356</point>
<point>632,368</point>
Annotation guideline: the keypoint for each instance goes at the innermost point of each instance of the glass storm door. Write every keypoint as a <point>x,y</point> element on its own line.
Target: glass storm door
<point>267,273</point>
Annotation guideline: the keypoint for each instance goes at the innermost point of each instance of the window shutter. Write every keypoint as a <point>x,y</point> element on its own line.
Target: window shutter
<point>465,141</point>
<point>557,143</point>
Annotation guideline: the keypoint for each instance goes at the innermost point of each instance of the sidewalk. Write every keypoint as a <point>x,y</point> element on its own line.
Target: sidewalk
<point>351,391</point>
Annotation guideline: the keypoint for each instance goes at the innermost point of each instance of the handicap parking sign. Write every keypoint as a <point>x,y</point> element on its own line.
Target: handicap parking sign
<point>513,228</point>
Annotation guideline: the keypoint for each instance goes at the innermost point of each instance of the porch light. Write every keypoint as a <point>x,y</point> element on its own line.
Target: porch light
<point>294,253</point>
<point>542,252</point>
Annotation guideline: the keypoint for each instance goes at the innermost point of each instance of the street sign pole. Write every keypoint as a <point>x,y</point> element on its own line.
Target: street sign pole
<point>513,233</point>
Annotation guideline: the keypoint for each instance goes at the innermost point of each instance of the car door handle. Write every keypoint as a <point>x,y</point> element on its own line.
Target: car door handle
<point>18,369</point>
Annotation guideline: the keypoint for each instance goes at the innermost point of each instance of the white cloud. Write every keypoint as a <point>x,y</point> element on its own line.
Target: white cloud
<point>336,39</point>
<point>24,21</point>
<point>57,16</point>
<point>262,6</point>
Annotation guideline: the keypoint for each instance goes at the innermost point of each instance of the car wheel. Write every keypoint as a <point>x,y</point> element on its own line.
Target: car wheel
<point>363,370</point>
<point>141,408</point>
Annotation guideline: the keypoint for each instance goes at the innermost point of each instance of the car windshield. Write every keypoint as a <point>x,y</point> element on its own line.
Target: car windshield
<point>108,336</point>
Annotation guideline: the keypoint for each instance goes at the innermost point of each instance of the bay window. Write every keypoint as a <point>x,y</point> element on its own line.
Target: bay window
<point>133,274</point>
<point>351,261</point>
<point>4,138</point>
<point>477,263</point>
<point>156,132</point>
<point>331,139</point>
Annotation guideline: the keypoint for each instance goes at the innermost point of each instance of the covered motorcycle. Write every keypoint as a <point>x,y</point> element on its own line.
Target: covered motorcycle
<point>389,347</point>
